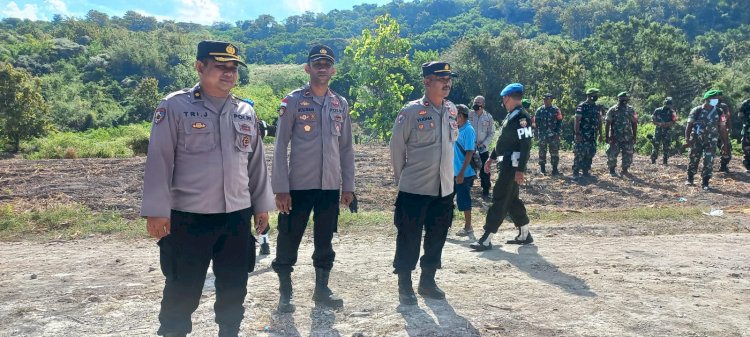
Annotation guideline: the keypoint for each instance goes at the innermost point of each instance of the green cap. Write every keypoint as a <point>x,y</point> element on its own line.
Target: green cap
<point>525,102</point>
<point>711,93</point>
<point>592,91</point>
<point>622,94</point>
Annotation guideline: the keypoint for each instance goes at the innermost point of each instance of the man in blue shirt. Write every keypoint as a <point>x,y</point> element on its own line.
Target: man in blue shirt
<point>463,151</point>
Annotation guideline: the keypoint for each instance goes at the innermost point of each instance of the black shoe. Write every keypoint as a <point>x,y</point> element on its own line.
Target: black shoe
<point>586,174</point>
<point>705,183</point>
<point>555,172</point>
<point>724,168</point>
<point>323,295</point>
<point>653,160</point>
<point>480,246</point>
<point>690,180</point>
<point>265,248</point>
<point>542,170</point>
<point>427,287</point>
<point>612,172</point>
<point>576,175</point>
<point>286,294</point>
<point>175,334</point>
<point>624,172</point>
<point>664,162</point>
<point>406,295</point>
<point>529,239</point>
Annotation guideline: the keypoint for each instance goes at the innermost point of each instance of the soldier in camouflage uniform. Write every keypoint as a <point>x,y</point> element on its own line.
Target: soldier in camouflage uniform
<point>588,125</point>
<point>547,122</point>
<point>526,104</point>
<point>664,118</point>
<point>745,119</point>
<point>706,125</point>
<point>621,128</point>
<point>725,148</point>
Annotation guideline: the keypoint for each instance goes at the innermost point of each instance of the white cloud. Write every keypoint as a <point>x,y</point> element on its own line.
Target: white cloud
<point>57,6</point>
<point>12,10</point>
<point>301,6</point>
<point>158,17</point>
<point>198,11</point>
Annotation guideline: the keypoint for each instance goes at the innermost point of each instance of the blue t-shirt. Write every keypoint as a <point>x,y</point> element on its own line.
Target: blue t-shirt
<point>467,139</point>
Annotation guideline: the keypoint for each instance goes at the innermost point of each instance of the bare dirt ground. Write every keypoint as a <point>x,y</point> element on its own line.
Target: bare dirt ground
<point>581,278</point>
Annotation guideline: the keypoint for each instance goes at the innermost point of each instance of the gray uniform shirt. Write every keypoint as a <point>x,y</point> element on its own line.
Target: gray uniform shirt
<point>204,161</point>
<point>321,154</point>
<point>422,148</point>
<point>484,126</point>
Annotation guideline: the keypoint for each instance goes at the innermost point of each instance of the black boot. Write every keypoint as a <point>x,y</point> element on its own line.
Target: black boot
<point>664,161</point>
<point>286,294</point>
<point>175,334</point>
<point>653,160</point>
<point>427,287</point>
<point>724,168</point>
<point>576,175</point>
<point>624,171</point>
<point>523,238</point>
<point>705,183</point>
<point>406,295</point>
<point>586,174</point>
<point>612,172</point>
<point>227,331</point>
<point>555,172</point>
<point>323,295</point>
<point>542,169</point>
<point>690,180</point>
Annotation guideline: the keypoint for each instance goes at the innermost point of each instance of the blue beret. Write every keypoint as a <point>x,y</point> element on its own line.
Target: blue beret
<point>512,89</point>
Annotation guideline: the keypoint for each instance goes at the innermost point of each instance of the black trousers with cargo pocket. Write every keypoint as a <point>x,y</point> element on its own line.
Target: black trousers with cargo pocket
<point>505,200</point>
<point>194,241</point>
<point>414,213</point>
<point>324,204</point>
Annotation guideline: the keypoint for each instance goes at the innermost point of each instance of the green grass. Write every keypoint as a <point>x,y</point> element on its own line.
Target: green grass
<point>70,221</point>
<point>73,221</point>
<point>116,142</point>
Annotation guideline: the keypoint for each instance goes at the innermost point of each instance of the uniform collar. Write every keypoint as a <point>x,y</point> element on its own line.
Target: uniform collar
<point>197,95</point>
<point>308,93</point>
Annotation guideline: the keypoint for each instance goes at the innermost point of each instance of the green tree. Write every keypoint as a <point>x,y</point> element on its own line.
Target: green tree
<point>379,60</point>
<point>23,111</point>
<point>142,101</point>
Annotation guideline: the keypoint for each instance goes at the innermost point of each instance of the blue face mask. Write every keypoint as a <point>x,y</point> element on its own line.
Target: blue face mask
<point>713,101</point>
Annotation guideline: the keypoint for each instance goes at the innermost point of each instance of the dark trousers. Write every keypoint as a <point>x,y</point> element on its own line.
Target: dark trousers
<point>194,241</point>
<point>484,177</point>
<point>414,212</point>
<point>325,207</point>
<point>505,200</point>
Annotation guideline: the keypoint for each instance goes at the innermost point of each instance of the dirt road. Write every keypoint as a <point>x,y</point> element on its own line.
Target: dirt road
<point>565,285</point>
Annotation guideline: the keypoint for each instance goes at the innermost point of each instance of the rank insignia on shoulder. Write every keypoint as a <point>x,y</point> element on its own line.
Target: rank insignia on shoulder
<point>400,118</point>
<point>453,112</point>
<point>159,115</point>
<point>199,125</point>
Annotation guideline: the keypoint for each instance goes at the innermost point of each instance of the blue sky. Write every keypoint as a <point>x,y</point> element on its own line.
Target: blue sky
<point>197,11</point>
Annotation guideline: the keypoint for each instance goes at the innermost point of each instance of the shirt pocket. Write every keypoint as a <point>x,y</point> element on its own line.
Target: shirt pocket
<point>426,132</point>
<point>337,122</point>
<point>306,125</point>
<point>199,136</point>
<point>244,135</point>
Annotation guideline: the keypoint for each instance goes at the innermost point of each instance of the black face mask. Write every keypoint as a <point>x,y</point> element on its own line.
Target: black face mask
<point>594,98</point>
<point>623,101</point>
<point>476,107</point>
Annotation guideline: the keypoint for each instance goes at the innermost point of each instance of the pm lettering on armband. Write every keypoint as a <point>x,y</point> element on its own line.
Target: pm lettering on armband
<point>524,132</point>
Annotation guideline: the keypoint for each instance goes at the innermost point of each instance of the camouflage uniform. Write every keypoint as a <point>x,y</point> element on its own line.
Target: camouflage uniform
<point>726,155</point>
<point>622,117</point>
<point>745,119</point>
<point>590,126</point>
<point>705,136</point>
<point>662,135</point>
<point>548,123</point>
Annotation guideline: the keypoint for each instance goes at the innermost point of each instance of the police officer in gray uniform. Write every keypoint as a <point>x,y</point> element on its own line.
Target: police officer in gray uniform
<point>205,177</point>
<point>422,158</point>
<point>315,122</point>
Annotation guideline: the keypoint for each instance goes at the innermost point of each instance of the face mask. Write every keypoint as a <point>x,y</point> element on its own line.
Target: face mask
<point>623,101</point>
<point>594,98</point>
<point>476,107</point>
<point>713,101</point>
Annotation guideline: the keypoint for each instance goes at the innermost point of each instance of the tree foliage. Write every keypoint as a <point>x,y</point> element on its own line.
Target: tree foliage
<point>23,112</point>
